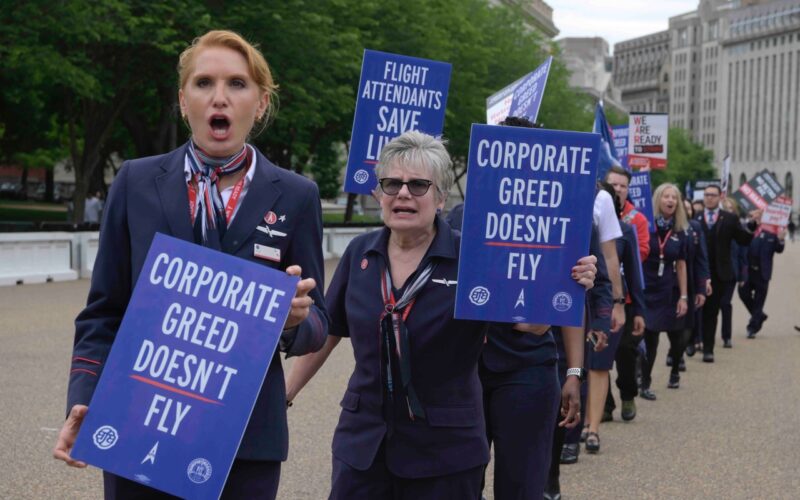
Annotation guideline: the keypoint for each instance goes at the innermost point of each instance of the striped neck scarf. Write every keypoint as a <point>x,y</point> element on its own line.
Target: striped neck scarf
<point>209,209</point>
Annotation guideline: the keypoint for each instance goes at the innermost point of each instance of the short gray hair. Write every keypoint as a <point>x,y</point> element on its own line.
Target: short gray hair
<point>414,150</point>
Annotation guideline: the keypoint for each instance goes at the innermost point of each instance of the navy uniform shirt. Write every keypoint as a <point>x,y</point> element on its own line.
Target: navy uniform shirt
<point>662,292</point>
<point>444,366</point>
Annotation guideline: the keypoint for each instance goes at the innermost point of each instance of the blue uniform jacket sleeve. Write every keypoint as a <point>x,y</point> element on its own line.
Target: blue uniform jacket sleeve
<point>701,269</point>
<point>96,326</point>
<point>306,251</point>
<point>633,278</point>
<point>600,299</point>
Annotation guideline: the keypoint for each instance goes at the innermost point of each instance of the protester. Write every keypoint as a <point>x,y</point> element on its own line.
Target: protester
<point>739,262</point>
<point>666,294</point>
<point>631,254</point>
<point>92,208</point>
<point>698,281</point>
<point>514,367</point>
<point>720,228</point>
<point>598,308</point>
<point>792,227</point>
<point>753,291</point>
<point>226,91</point>
<point>412,422</point>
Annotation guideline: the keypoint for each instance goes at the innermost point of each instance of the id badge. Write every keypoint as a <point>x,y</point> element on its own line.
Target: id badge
<point>660,268</point>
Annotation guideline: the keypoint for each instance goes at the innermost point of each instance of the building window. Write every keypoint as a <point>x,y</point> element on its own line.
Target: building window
<point>788,185</point>
<point>742,179</point>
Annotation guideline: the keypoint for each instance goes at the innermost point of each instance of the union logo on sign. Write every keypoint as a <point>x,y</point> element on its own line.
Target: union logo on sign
<point>479,295</point>
<point>562,301</point>
<point>199,470</point>
<point>361,176</point>
<point>105,437</point>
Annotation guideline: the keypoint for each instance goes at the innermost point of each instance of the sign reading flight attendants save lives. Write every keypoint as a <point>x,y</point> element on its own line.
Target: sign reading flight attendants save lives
<point>647,140</point>
<point>527,221</point>
<point>776,215</point>
<point>187,364</point>
<point>521,98</point>
<point>396,94</point>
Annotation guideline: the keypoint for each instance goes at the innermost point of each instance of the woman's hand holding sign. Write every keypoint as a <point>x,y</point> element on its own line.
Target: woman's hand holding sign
<point>68,434</point>
<point>301,303</point>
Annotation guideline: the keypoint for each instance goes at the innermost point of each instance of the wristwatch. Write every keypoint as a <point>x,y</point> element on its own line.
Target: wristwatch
<point>578,372</point>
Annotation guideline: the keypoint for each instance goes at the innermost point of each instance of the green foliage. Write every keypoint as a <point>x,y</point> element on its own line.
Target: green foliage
<point>686,161</point>
<point>86,79</point>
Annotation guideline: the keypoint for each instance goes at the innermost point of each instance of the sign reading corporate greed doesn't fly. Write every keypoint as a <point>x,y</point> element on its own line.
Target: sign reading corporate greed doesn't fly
<point>396,94</point>
<point>527,221</point>
<point>185,369</point>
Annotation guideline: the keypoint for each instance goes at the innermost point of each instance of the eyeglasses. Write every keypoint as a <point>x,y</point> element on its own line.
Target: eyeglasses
<point>417,187</point>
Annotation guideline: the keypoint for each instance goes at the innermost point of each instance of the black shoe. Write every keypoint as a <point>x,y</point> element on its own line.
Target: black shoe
<point>690,350</point>
<point>569,453</point>
<point>751,333</point>
<point>708,357</point>
<point>592,443</point>
<point>628,410</point>
<point>727,344</point>
<point>669,360</point>
<point>647,394</point>
<point>553,490</point>
<point>674,381</point>
<point>682,365</point>
<point>607,416</point>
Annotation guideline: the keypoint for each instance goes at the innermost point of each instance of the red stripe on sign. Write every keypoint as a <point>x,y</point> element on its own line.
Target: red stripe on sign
<point>521,245</point>
<point>371,162</point>
<point>174,389</point>
<point>78,358</point>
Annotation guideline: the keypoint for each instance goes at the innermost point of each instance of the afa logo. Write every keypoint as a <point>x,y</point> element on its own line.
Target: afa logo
<point>562,301</point>
<point>199,470</point>
<point>479,295</point>
<point>105,437</point>
<point>361,176</point>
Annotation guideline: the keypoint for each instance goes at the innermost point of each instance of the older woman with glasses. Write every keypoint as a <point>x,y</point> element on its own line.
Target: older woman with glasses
<point>412,422</point>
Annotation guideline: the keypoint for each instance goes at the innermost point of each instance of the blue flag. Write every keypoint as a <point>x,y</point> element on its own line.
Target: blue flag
<point>607,157</point>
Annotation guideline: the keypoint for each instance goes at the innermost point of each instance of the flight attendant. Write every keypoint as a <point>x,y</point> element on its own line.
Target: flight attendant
<point>665,277</point>
<point>217,191</point>
<point>412,422</point>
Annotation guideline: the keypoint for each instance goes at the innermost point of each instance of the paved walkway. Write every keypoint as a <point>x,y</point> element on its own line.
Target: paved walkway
<point>731,431</point>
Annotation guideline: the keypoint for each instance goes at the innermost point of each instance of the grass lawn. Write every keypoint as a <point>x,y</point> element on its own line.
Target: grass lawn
<point>31,212</point>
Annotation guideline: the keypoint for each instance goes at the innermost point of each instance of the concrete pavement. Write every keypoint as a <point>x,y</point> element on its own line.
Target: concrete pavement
<point>731,431</point>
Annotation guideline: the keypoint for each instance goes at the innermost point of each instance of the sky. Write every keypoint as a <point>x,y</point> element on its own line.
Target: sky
<point>615,20</point>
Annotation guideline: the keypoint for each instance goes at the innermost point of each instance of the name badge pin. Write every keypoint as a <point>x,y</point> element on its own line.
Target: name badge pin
<point>267,253</point>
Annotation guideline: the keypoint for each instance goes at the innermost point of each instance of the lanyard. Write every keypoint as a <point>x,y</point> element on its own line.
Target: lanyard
<point>230,207</point>
<point>662,243</point>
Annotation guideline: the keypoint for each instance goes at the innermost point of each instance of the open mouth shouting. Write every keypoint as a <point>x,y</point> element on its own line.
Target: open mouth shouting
<point>401,211</point>
<point>220,126</point>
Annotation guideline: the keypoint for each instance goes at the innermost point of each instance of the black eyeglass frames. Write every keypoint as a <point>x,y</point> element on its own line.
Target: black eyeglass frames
<point>417,187</point>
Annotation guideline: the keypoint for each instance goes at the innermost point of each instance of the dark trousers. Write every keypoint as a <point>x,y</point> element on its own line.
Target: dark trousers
<point>378,483</point>
<point>559,433</point>
<point>754,294</point>
<point>521,411</point>
<point>677,344</point>
<point>248,479</point>
<point>726,307</point>
<point>697,326</point>
<point>721,289</point>
<point>627,353</point>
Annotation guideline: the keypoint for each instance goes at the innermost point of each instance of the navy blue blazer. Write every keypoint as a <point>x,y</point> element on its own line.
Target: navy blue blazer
<point>150,195</point>
<point>444,366</point>
<point>600,301</point>
<point>760,253</point>
<point>628,252</point>
<point>718,242</point>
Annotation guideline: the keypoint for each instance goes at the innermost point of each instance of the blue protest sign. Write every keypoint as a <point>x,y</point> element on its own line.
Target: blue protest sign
<point>521,98</point>
<point>395,94</point>
<point>621,144</point>
<point>641,196</point>
<point>185,369</point>
<point>527,221</point>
